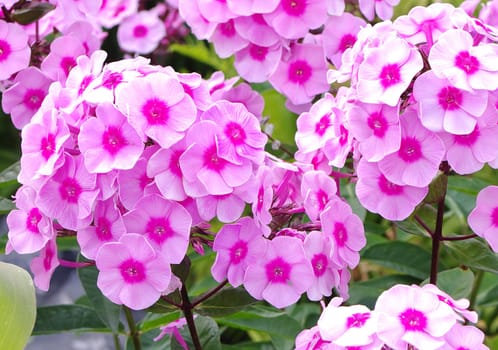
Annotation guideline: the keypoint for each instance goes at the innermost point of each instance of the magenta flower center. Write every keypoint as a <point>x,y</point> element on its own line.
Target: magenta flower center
<point>261,199</point>
<point>5,50</point>
<point>494,217</point>
<point>70,190</point>
<point>258,18</point>
<point>278,270</point>
<point>111,79</point>
<point>212,160</point>
<point>343,138</point>
<point>140,31</point>
<point>413,320</point>
<point>103,229</point>
<point>390,75</point>
<point>322,198</point>
<point>466,62</point>
<point>132,271</point>
<point>319,263</point>
<point>258,53</point>
<point>235,133</point>
<point>47,146</point>
<point>174,163</point>
<point>357,320</point>
<point>470,139</point>
<point>144,180</point>
<point>238,252</point>
<point>299,72</point>
<point>410,150</point>
<point>340,234</point>
<point>113,140</point>
<point>322,125</point>
<point>158,229</point>
<point>156,111</point>
<point>34,217</point>
<point>388,187</point>
<point>347,41</point>
<point>47,260</point>
<point>462,348</point>
<point>450,98</point>
<point>67,63</point>
<point>294,7</point>
<point>227,29</point>
<point>33,98</point>
<point>378,123</point>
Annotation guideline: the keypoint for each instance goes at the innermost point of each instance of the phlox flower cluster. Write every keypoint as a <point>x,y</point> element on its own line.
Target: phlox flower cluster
<point>285,42</point>
<point>422,92</point>
<point>404,317</point>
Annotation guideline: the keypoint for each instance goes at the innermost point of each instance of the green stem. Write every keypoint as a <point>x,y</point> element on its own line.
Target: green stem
<point>209,294</point>
<point>117,344</point>
<point>134,334</point>
<point>436,241</point>
<point>189,317</point>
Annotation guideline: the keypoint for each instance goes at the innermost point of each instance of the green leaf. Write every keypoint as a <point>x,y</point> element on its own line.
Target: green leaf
<point>152,320</point>
<point>474,253</point>
<point>6,205</point>
<point>462,193</point>
<point>282,328</point>
<point>284,121</point>
<point>403,257</point>
<point>64,318</point>
<point>227,301</point>
<point>17,306</point>
<point>10,174</point>
<point>105,309</point>
<point>456,282</point>
<point>367,292</point>
<point>249,346</point>
<point>32,12</point>
<point>208,332</point>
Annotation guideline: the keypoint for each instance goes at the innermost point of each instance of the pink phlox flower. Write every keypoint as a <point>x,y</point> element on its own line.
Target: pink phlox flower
<point>164,167</point>
<point>69,194</point>
<point>243,93</point>
<point>226,39</point>
<point>346,233</point>
<point>203,167</point>
<point>292,19</point>
<point>340,34</point>
<point>215,11</point>
<point>165,224</point>
<point>489,13</point>
<point>468,153</point>
<point>62,57</point>
<point>338,147</point>
<point>226,208</point>
<point>113,12</point>
<point>257,63</point>
<point>377,129</point>
<point>462,337</point>
<point>141,32</point>
<point>317,248</point>
<point>286,179</point>
<point>90,34</point>
<point>219,86</point>
<point>442,106</point>
<point>44,265</point>
<point>29,228</point>
<point>310,339</point>
<point>420,153</point>
<point>25,96</point>
<point>201,26</point>
<point>343,285</point>
<point>237,246</point>
<point>256,30</point>
<point>162,117</point>
<point>483,219</point>
<point>336,7</point>
<point>314,160</point>
<point>197,88</point>
<point>172,329</point>
<point>131,272</point>
<point>108,185</point>
<point>410,315</point>
<point>317,189</point>
<point>315,128</point>
<point>240,136</point>
<point>466,66</point>
<point>387,71</point>
<point>425,24</point>
<point>378,195</point>
<point>302,75</point>
<point>263,198</point>
<point>460,306</point>
<point>42,145</point>
<point>349,326</point>
<point>383,8</point>
<point>291,232</point>
<point>250,7</point>
<point>107,226</point>
<point>108,141</point>
<point>69,11</point>
<point>14,50</point>
<point>281,274</point>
